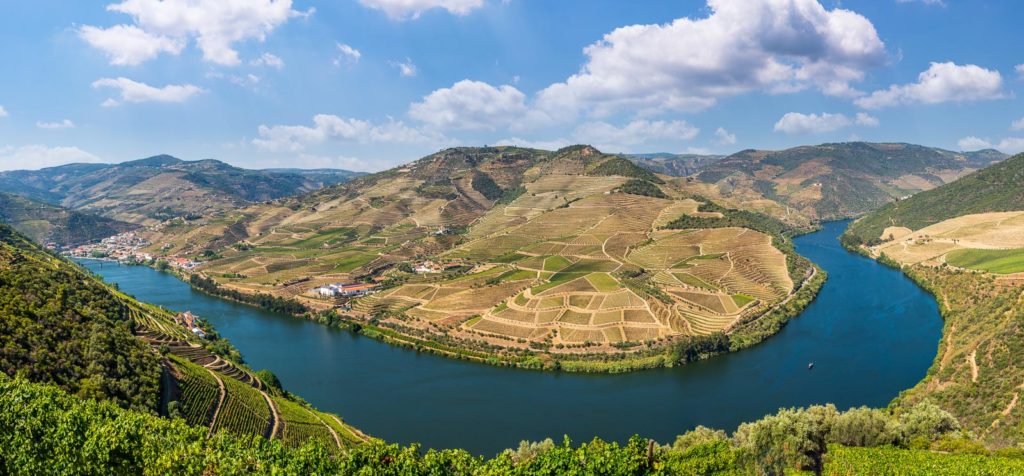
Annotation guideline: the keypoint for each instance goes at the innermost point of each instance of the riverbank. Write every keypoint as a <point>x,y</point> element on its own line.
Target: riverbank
<point>870,332</point>
<point>672,352</point>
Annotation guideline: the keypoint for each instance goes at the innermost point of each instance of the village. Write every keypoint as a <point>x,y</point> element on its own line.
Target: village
<point>127,248</point>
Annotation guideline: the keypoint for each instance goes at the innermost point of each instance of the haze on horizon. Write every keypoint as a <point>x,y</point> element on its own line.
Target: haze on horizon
<point>369,84</point>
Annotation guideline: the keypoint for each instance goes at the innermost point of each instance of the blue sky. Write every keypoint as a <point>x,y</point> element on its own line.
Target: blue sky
<point>369,84</point>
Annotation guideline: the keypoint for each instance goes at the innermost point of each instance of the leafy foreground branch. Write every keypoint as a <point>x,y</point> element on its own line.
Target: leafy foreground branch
<point>46,431</point>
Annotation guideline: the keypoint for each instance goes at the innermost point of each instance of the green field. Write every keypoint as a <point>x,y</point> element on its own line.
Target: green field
<point>993,261</point>
<point>555,263</point>
<point>741,299</point>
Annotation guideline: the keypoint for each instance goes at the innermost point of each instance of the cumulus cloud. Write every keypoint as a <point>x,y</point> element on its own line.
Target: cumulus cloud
<point>610,138</point>
<point>864,119</point>
<point>406,9</point>
<point>348,55</point>
<point>405,68</point>
<point>128,44</point>
<point>330,127</point>
<point>724,137</point>
<point>1017,125</point>
<point>1020,70</point>
<point>941,82</point>
<point>3,112</point>
<point>772,45</point>
<point>471,105</point>
<point>268,59</point>
<point>166,26</point>
<point>134,91</point>
<point>798,123</point>
<point>64,124</point>
<point>39,156</point>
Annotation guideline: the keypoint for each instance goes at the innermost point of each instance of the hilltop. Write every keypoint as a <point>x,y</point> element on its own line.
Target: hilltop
<point>831,181</point>
<point>154,189</point>
<point>45,223</point>
<point>531,257</point>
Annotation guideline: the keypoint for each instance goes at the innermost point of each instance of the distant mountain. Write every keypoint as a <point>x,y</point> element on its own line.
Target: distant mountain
<point>998,188</point>
<point>677,165</point>
<point>840,180</point>
<point>157,188</point>
<point>327,177</point>
<point>45,223</point>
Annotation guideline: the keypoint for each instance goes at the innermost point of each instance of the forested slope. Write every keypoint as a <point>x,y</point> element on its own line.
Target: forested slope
<point>994,189</point>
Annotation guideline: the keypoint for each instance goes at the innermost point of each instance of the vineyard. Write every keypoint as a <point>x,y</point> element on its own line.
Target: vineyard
<point>244,411</point>
<point>200,392</point>
<point>302,425</point>
<point>841,461</point>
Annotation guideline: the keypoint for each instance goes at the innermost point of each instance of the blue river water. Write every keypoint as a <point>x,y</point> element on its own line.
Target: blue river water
<point>871,333</point>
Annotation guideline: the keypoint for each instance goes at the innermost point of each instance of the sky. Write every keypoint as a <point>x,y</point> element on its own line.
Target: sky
<point>370,84</point>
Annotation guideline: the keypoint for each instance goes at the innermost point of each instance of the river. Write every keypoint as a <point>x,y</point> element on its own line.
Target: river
<point>871,333</point>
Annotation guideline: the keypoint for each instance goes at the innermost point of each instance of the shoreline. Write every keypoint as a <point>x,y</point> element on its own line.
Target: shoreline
<point>665,355</point>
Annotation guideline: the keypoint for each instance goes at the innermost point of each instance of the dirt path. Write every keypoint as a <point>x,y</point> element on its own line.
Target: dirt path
<point>275,428</point>
<point>972,360</point>
<point>353,430</point>
<point>334,434</point>
<point>220,402</point>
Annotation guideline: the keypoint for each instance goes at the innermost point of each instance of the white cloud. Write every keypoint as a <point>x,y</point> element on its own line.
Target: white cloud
<point>864,119</point>
<point>348,54</point>
<point>165,26</point>
<point>941,82</point>
<point>405,9</point>
<point>134,91</point>
<point>3,112</point>
<point>39,156</point>
<point>637,133</point>
<point>128,44</point>
<point>471,105</point>
<point>405,68</point>
<point>64,124</point>
<point>772,45</point>
<point>724,137</point>
<point>329,126</point>
<point>1020,70</point>
<point>1017,125</point>
<point>1009,145</point>
<point>268,59</point>
<point>798,123</point>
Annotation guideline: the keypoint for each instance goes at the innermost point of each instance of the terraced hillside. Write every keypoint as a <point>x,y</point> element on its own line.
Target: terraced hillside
<point>561,253</point>
<point>62,325</point>
<point>158,188</point>
<point>965,242</point>
<point>831,181</point>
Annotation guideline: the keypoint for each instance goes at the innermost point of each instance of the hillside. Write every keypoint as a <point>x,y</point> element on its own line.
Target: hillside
<point>994,189</point>
<point>532,255</point>
<point>831,181</point>
<point>676,165</point>
<point>964,241</point>
<point>63,326</point>
<point>45,223</point>
<point>158,188</point>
